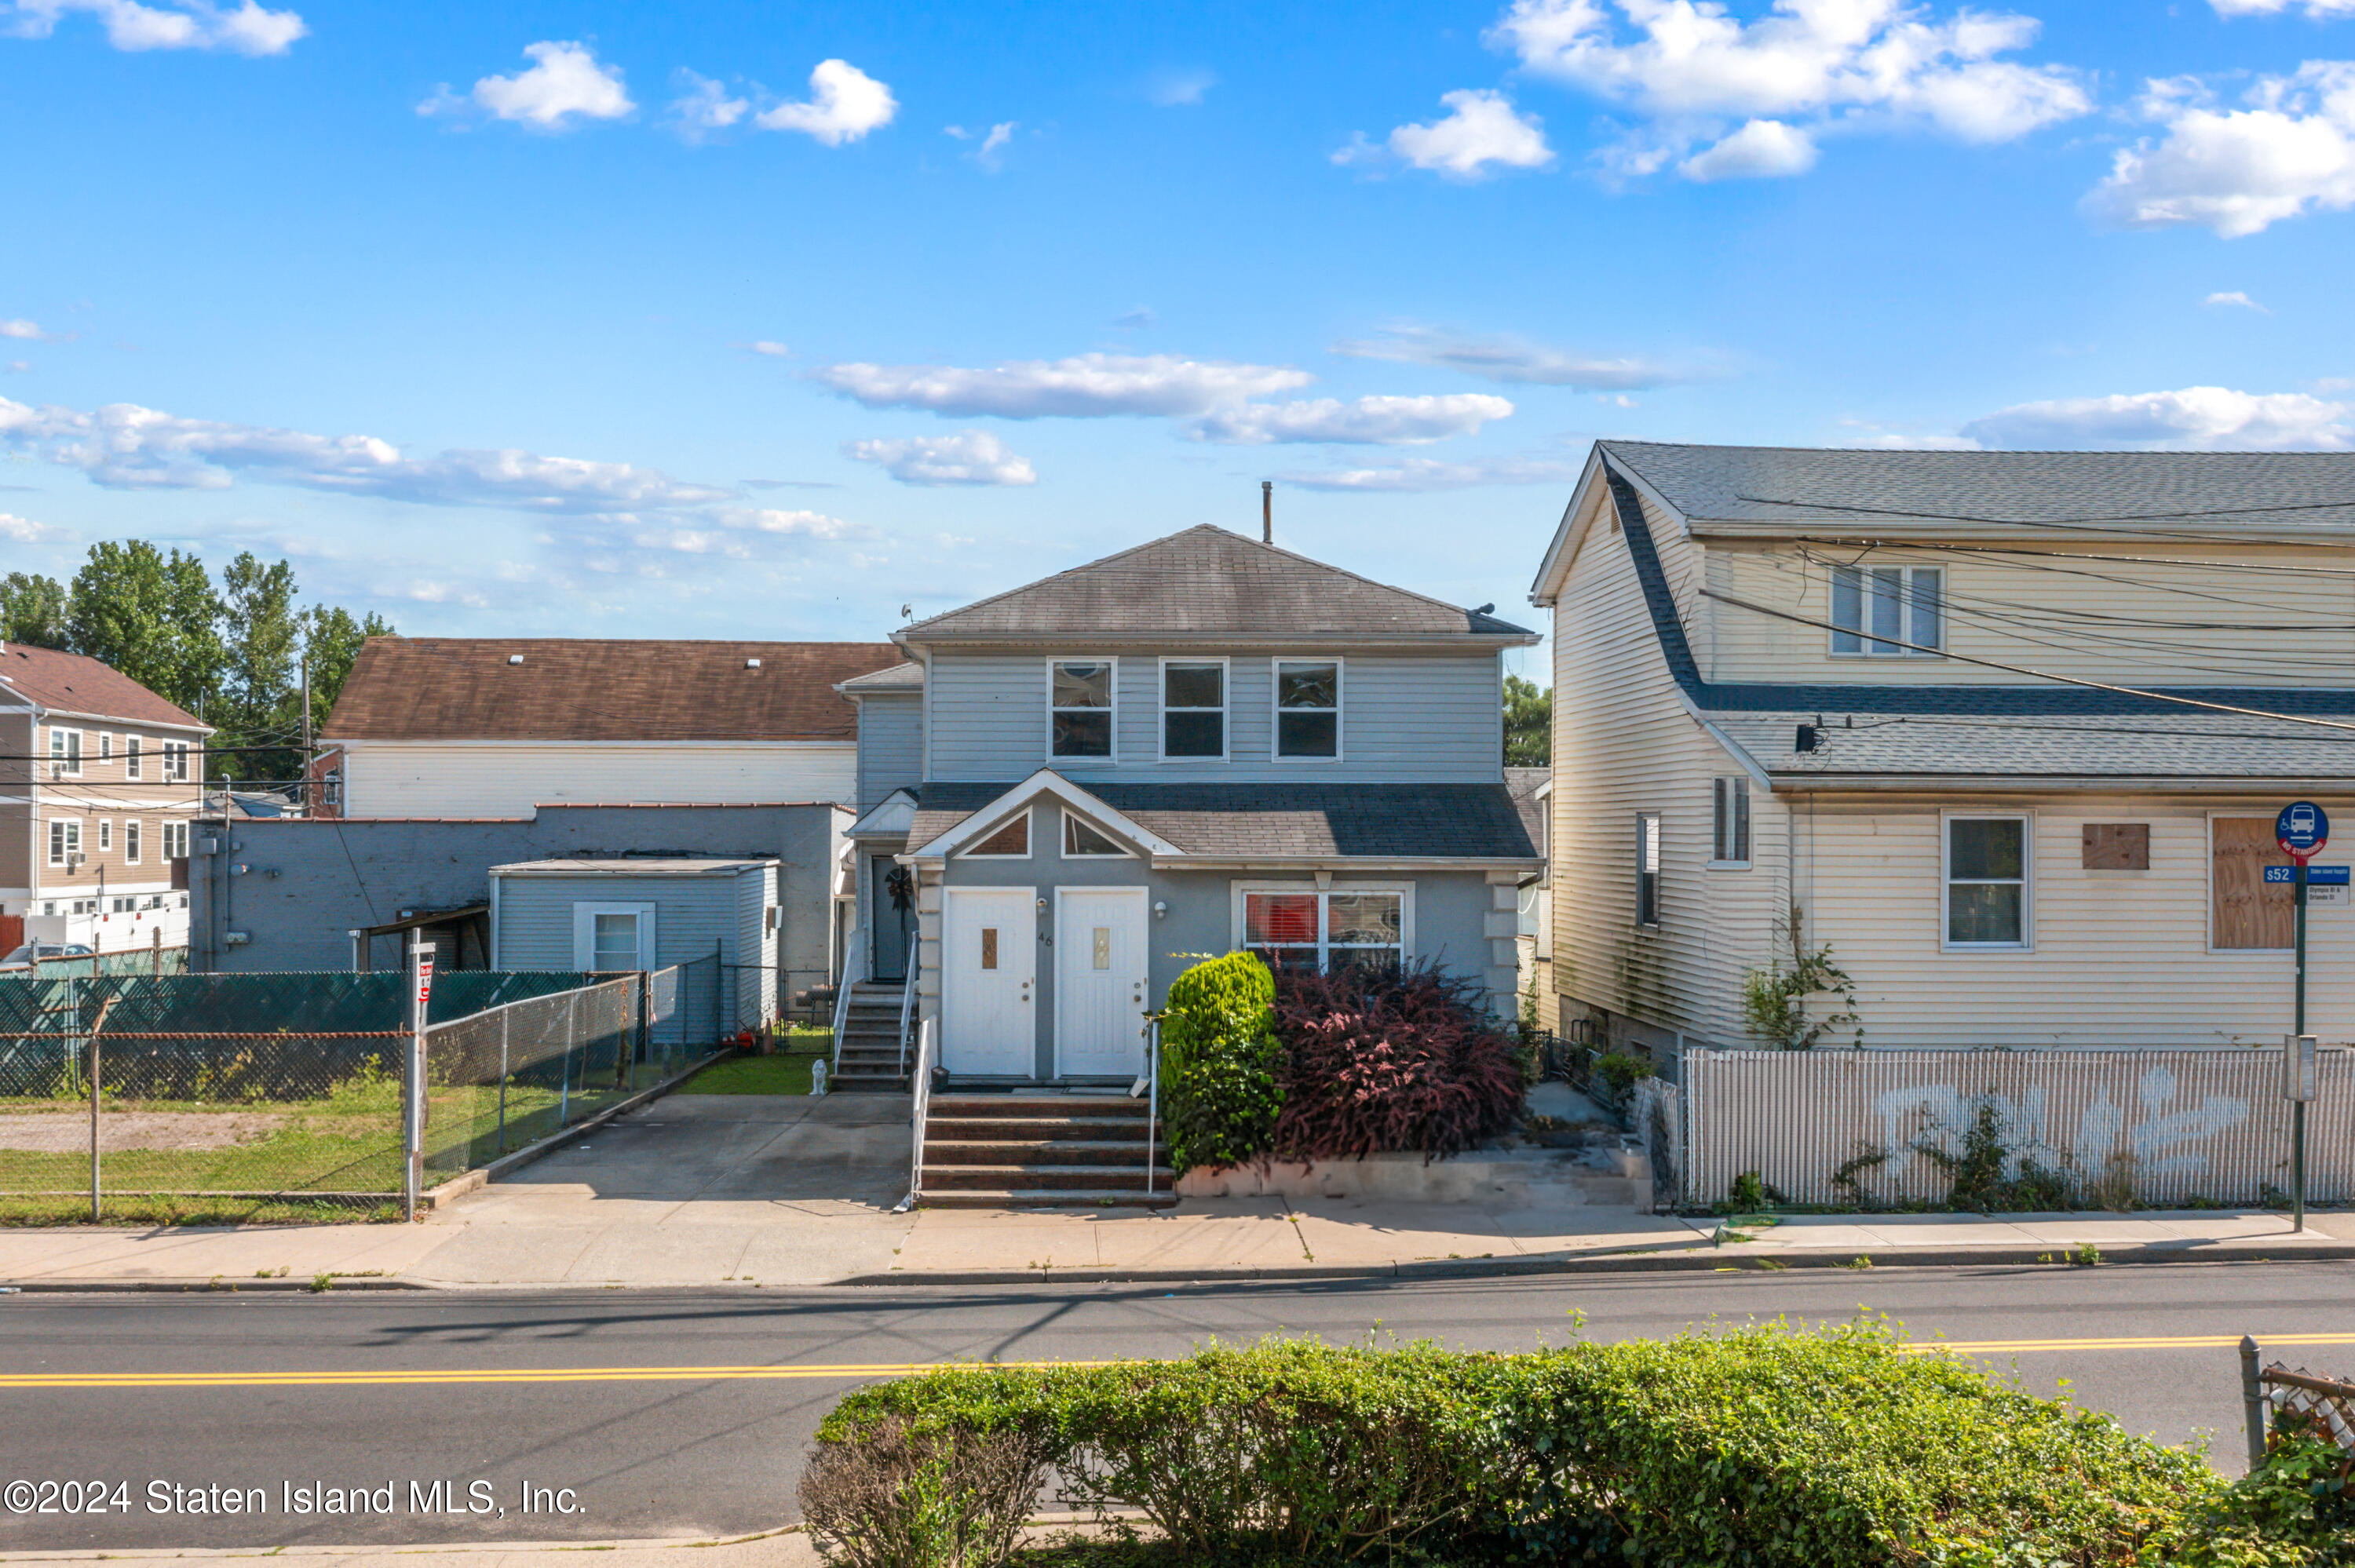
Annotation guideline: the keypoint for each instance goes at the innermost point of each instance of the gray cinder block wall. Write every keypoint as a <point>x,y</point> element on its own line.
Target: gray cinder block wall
<point>307,883</point>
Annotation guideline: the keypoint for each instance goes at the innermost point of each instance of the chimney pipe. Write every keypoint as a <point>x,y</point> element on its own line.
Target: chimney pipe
<point>1267,512</point>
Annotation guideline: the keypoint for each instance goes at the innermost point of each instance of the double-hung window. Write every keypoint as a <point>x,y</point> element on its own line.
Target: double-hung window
<point>1986,882</point>
<point>131,757</point>
<point>1341,929</point>
<point>176,841</point>
<point>1729,844</point>
<point>1647,868</point>
<point>65,751</point>
<point>65,840</point>
<point>131,837</point>
<point>1308,709</point>
<point>1080,700</point>
<point>105,746</point>
<point>105,835</point>
<point>1876,608</point>
<point>1194,710</point>
<point>176,760</point>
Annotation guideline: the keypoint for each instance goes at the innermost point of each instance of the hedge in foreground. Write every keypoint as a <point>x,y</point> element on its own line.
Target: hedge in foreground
<point>1759,1447</point>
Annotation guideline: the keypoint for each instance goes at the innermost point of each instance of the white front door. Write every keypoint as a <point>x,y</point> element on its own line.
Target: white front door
<point>1100,980</point>
<point>989,980</point>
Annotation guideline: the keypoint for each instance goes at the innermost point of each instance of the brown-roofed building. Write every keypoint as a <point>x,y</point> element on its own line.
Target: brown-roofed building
<point>100,778</point>
<point>467,727</point>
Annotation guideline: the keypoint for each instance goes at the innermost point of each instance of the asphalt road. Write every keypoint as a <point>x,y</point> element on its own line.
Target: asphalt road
<point>581,1391</point>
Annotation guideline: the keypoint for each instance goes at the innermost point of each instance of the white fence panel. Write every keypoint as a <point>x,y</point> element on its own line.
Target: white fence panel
<point>2180,1125</point>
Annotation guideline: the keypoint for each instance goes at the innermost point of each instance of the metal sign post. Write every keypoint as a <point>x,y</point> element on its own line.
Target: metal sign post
<point>412,1098</point>
<point>2301,830</point>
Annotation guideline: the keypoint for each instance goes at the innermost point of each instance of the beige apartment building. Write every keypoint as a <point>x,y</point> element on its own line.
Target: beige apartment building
<point>99,779</point>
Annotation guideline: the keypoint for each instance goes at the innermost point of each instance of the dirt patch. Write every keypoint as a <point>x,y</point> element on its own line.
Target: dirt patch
<point>64,1132</point>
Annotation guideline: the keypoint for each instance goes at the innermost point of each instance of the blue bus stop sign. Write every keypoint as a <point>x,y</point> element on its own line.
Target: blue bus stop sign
<point>2301,830</point>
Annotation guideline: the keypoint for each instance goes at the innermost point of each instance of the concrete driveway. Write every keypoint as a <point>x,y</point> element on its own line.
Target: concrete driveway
<point>692,1188</point>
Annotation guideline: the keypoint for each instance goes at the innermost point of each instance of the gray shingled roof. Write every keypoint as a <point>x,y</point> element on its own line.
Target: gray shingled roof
<point>907,676</point>
<point>2050,726</point>
<point>1523,784</point>
<point>1208,583</point>
<point>2094,493</point>
<point>2179,745</point>
<point>1285,821</point>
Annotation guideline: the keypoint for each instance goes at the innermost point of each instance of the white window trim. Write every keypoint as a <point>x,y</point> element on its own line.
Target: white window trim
<point>1749,821</point>
<point>65,840</point>
<point>1068,817</point>
<point>176,837</point>
<point>1031,844</point>
<point>131,748</point>
<point>105,835</point>
<point>134,838</point>
<point>2027,820</point>
<point>1057,760</point>
<point>1275,712</point>
<point>105,746</point>
<point>1831,602</point>
<point>176,760</point>
<point>1239,891</point>
<point>584,932</point>
<point>1226,709</point>
<point>66,760</point>
<point>1659,820</point>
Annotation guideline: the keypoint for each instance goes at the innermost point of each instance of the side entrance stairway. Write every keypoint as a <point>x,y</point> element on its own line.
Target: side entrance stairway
<point>1014,1151</point>
<point>869,1058</point>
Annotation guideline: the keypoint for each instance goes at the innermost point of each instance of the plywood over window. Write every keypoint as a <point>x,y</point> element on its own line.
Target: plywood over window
<point>2116,846</point>
<point>2248,911</point>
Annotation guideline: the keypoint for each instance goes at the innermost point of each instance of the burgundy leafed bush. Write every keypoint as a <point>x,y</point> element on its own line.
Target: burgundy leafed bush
<point>1382,1061</point>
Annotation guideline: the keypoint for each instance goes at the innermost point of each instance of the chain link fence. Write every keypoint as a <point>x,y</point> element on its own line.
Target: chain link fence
<point>242,1097</point>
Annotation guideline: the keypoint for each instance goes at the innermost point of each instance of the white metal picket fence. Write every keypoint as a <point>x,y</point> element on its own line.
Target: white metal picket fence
<point>2176,1127</point>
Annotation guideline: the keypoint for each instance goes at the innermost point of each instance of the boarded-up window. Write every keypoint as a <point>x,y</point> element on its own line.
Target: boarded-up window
<point>2117,846</point>
<point>2249,912</point>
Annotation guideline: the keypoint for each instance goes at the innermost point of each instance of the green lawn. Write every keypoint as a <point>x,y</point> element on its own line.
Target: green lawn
<point>779,1074</point>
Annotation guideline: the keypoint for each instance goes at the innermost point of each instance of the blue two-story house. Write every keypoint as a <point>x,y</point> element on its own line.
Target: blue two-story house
<point>1073,791</point>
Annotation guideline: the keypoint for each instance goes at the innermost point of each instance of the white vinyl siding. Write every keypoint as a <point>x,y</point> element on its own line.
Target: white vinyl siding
<point>427,780</point>
<point>539,926</point>
<point>1406,718</point>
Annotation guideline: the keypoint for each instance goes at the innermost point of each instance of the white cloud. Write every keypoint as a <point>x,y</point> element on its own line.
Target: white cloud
<point>125,447</point>
<point>1419,475</point>
<point>844,104</point>
<point>1178,88</point>
<point>2237,298</point>
<point>1762,149</point>
<point>24,531</point>
<point>2194,419</point>
<point>771,349</point>
<point>1372,421</point>
<point>2320,10</point>
<point>1087,386</point>
<point>245,30</point>
<point>1691,70</point>
<point>25,330</point>
<point>564,82</point>
<point>994,143</point>
<point>18,366</point>
<point>1481,131</point>
<point>705,107</point>
<point>969,457</point>
<point>1511,359</point>
<point>2238,171</point>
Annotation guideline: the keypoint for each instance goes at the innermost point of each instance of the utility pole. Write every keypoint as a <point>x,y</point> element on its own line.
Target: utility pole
<point>306,733</point>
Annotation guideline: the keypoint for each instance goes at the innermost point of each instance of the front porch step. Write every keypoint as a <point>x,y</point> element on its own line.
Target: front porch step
<point>1034,1151</point>
<point>1028,1198</point>
<point>997,1107</point>
<point>1047,1177</point>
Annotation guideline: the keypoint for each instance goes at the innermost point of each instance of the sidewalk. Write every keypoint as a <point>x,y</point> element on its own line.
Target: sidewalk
<point>789,1548</point>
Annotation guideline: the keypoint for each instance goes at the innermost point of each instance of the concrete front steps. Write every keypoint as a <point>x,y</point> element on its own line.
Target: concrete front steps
<point>1032,1152</point>
<point>869,1056</point>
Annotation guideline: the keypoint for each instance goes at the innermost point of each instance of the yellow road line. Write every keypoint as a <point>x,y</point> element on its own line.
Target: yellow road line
<point>529,1375</point>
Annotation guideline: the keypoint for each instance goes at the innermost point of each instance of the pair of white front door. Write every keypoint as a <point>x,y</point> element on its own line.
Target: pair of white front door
<point>989,992</point>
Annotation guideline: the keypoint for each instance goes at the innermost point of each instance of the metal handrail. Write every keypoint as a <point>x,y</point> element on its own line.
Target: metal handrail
<point>1153,1099</point>
<point>927,1048</point>
<point>907,1003</point>
<point>842,1005</point>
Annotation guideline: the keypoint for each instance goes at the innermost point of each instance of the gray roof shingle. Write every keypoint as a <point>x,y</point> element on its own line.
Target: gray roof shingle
<point>1208,583</point>
<point>2178,744</point>
<point>2011,492</point>
<point>1285,821</point>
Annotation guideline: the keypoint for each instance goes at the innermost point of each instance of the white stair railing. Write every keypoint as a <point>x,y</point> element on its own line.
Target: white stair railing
<point>842,1001</point>
<point>927,1052</point>
<point>907,1003</point>
<point>1152,1100</point>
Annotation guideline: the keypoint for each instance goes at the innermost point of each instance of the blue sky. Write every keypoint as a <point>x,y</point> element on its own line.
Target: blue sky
<point>766,320</point>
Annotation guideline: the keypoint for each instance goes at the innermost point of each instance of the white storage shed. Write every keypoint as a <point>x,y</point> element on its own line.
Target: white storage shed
<point>650,914</point>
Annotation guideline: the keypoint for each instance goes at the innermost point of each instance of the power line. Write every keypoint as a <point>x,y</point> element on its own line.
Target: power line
<point>2075,555</point>
<point>2085,526</point>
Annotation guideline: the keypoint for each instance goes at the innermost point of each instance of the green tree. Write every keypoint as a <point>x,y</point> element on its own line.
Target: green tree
<point>152,615</point>
<point>1528,723</point>
<point>261,637</point>
<point>33,612</point>
<point>331,642</point>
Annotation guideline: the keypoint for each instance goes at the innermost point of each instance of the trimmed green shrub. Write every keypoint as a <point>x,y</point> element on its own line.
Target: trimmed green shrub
<point>1761,1448</point>
<point>1220,1061</point>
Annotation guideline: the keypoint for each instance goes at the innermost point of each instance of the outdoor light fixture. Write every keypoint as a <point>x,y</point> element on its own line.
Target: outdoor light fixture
<point>1159,910</point>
